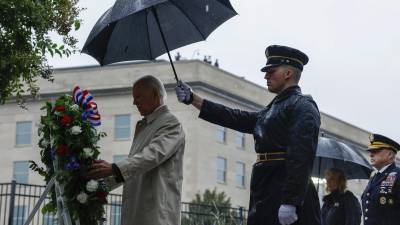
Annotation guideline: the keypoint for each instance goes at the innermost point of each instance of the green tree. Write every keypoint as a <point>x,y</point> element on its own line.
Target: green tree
<point>211,208</point>
<point>24,42</point>
<point>213,198</point>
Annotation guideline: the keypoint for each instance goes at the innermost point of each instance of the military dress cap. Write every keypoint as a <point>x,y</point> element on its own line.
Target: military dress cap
<point>378,141</point>
<point>282,55</point>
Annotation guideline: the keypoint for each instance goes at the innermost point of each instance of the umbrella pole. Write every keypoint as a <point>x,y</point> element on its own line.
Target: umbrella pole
<point>165,42</point>
<point>319,174</point>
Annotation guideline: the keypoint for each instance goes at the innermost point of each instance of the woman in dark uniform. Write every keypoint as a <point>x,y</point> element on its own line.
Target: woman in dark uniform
<point>340,206</point>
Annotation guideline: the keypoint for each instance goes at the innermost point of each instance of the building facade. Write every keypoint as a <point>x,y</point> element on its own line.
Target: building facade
<point>215,157</point>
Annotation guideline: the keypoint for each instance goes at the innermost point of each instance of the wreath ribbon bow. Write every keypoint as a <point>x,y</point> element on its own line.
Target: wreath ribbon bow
<point>85,99</point>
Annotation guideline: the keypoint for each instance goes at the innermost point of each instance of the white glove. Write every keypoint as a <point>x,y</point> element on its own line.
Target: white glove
<point>287,214</point>
<point>184,93</point>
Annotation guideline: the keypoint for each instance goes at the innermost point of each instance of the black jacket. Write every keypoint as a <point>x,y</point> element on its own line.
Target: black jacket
<point>341,209</point>
<point>381,198</point>
<point>290,123</point>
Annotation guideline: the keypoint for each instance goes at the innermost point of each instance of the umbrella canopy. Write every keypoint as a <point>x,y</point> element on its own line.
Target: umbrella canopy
<point>332,153</point>
<point>146,29</point>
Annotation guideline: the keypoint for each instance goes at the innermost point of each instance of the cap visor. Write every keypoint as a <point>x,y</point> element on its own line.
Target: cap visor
<point>269,66</point>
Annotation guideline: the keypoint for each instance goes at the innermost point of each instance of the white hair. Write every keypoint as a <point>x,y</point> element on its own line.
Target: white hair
<point>392,156</point>
<point>155,84</point>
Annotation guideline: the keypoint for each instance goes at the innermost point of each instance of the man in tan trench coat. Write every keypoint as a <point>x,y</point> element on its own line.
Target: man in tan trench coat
<point>152,173</point>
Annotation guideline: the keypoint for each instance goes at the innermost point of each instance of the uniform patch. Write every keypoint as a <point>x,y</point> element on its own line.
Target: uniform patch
<point>391,178</point>
<point>382,200</point>
<point>336,204</point>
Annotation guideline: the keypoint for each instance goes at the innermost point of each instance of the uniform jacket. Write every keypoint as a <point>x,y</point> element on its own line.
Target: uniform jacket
<point>381,198</point>
<point>153,172</point>
<point>341,209</point>
<point>290,123</point>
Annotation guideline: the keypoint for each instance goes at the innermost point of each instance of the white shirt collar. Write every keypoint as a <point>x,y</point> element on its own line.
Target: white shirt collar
<point>384,168</point>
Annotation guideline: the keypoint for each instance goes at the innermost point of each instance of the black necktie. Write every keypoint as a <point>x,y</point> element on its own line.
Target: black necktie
<point>376,178</point>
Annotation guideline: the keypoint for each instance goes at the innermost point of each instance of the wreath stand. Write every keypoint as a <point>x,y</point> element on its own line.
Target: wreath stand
<point>64,218</point>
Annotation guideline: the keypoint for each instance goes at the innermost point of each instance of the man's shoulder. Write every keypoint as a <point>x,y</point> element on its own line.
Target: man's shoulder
<point>168,116</point>
<point>395,170</point>
<point>304,102</point>
<point>308,99</point>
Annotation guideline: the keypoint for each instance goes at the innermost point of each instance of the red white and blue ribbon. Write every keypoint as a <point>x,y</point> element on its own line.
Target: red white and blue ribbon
<point>85,99</point>
<point>77,93</point>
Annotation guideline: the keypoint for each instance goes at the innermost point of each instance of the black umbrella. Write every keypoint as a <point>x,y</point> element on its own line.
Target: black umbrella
<point>146,29</point>
<point>335,154</point>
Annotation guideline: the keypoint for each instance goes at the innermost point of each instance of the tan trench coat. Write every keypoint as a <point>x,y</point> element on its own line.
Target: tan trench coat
<point>153,172</point>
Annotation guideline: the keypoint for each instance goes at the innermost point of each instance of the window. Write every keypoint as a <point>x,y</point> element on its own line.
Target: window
<point>19,215</point>
<point>240,138</point>
<point>221,134</point>
<point>122,127</point>
<point>49,219</point>
<point>24,133</point>
<point>240,174</point>
<point>116,213</point>
<point>117,158</point>
<point>21,171</point>
<point>221,170</point>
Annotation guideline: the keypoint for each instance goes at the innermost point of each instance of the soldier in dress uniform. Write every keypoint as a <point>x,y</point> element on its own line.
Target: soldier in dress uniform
<point>381,197</point>
<point>286,137</point>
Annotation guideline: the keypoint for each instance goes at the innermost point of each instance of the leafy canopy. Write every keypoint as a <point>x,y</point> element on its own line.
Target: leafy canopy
<point>213,197</point>
<point>24,42</point>
<point>212,208</point>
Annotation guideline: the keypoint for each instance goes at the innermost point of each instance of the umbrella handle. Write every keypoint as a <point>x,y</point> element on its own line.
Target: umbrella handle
<point>153,9</point>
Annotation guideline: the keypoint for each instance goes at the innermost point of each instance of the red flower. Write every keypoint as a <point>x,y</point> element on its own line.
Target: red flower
<point>66,120</point>
<point>62,150</point>
<point>102,194</point>
<point>59,108</point>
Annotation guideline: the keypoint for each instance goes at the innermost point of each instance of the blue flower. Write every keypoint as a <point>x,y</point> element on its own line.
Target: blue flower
<point>73,164</point>
<point>53,153</point>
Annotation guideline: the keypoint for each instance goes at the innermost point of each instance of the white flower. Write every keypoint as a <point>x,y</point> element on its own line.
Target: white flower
<point>87,153</point>
<point>82,197</point>
<point>76,130</point>
<point>74,107</point>
<point>45,142</point>
<point>57,113</point>
<point>92,185</point>
<point>53,142</point>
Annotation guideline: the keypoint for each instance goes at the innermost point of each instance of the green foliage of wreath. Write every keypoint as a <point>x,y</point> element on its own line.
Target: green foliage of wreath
<point>68,146</point>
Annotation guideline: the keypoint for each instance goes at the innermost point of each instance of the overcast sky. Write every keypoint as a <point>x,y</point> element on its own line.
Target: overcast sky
<point>353,46</point>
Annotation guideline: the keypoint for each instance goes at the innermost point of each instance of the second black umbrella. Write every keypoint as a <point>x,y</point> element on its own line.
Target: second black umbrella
<point>332,153</point>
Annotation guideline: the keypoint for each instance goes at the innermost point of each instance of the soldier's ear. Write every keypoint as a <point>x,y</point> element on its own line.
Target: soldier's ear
<point>288,74</point>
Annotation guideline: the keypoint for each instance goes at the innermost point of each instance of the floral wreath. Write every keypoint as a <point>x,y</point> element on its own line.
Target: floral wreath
<point>68,136</point>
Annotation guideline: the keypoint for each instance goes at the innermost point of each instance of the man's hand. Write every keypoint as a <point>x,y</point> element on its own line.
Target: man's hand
<point>184,93</point>
<point>287,214</point>
<point>99,169</point>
